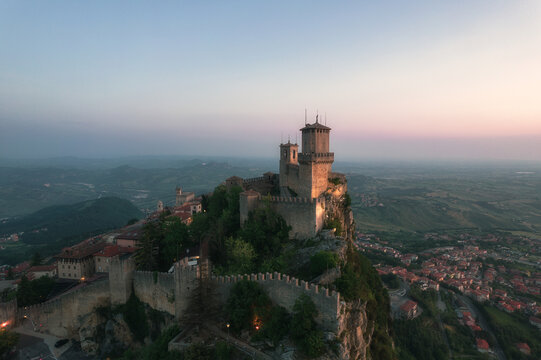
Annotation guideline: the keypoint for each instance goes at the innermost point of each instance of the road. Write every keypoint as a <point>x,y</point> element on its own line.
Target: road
<point>484,325</point>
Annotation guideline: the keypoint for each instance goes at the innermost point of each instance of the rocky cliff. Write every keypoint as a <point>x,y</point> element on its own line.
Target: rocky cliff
<point>356,323</point>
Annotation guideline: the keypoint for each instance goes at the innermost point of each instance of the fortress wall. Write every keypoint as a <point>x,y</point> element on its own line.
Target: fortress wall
<point>320,177</point>
<point>254,180</point>
<point>285,290</point>
<point>186,280</point>
<point>293,177</point>
<point>62,316</point>
<point>8,312</point>
<point>304,187</point>
<point>305,216</point>
<point>157,290</point>
<point>247,203</point>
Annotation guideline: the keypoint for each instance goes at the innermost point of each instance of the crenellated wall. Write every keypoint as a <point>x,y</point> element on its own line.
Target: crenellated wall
<point>155,289</point>
<point>285,290</point>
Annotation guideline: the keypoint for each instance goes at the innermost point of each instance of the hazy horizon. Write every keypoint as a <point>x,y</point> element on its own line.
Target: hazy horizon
<point>416,80</point>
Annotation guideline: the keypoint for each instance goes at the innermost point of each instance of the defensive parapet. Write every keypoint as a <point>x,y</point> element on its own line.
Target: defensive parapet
<point>155,289</point>
<point>284,290</point>
<point>121,279</point>
<point>186,281</point>
<point>62,316</point>
<point>305,216</point>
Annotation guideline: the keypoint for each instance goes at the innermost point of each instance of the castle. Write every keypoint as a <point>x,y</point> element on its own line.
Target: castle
<point>298,192</point>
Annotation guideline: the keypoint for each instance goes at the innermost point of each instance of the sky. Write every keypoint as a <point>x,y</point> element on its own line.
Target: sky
<point>393,79</point>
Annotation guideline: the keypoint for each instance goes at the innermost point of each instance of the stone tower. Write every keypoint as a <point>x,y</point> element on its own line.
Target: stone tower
<point>289,165</point>
<point>315,160</point>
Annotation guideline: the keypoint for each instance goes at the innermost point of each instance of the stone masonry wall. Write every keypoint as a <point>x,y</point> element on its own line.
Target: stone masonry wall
<point>305,216</point>
<point>8,312</point>
<point>155,289</point>
<point>61,316</point>
<point>285,290</point>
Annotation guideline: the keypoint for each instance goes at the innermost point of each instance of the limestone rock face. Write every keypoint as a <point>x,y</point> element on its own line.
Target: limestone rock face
<point>104,335</point>
<point>87,333</point>
<point>356,333</point>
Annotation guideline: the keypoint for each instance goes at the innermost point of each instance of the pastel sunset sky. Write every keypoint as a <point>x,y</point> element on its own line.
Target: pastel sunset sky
<point>396,79</point>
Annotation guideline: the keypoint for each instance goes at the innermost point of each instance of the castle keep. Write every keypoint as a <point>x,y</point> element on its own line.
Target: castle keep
<point>298,192</point>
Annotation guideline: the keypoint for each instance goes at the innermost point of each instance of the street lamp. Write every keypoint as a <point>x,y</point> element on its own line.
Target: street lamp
<point>227,326</point>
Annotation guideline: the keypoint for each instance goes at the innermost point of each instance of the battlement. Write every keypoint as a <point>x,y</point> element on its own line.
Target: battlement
<point>316,157</point>
<point>254,180</point>
<point>310,288</point>
<point>294,200</point>
<point>285,290</point>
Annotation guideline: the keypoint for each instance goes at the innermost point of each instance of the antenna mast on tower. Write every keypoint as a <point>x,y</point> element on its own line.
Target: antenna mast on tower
<point>305,116</point>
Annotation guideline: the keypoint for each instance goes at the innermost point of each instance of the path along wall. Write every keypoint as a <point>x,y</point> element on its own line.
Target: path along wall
<point>285,290</point>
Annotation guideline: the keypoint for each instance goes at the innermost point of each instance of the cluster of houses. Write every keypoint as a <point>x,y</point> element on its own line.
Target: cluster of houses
<point>91,257</point>
<point>463,268</point>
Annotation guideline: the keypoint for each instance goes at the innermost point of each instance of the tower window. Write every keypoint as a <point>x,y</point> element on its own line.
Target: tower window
<point>294,153</point>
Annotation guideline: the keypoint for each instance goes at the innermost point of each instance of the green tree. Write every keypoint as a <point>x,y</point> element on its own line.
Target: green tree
<point>35,291</point>
<point>240,255</point>
<point>8,340</point>
<point>176,239</point>
<point>277,325</point>
<point>304,329</point>
<point>267,231</point>
<point>146,255</point>
<point>322,261</point>
<point>246,303</point>
<point>10,275</point>
<point>132,221</point>
<point>135,316</point>
<point>36,259</point>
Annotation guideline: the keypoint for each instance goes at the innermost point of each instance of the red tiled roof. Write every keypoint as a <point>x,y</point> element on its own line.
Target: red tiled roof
<point>135,234</point>
<point>523,346</point>
<point>482,344</point>
<point>42,268</point>
<point>408,306</point>
<point>108,251</point>
<point>113,250</point>
<point>81,250</point>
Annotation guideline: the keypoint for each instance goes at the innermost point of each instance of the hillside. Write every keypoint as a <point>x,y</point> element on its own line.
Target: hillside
<point>49,229</point>
<point>504,201</point>
<point>24,190</point>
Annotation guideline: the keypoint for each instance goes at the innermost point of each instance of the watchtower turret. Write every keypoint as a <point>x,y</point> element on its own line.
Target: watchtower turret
<point>289,162</point>
<point>315,160</point>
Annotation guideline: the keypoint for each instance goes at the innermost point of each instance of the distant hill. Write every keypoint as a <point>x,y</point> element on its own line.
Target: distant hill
<point>25,190</point>
<point>49,229</point>
<point>507,201</point>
